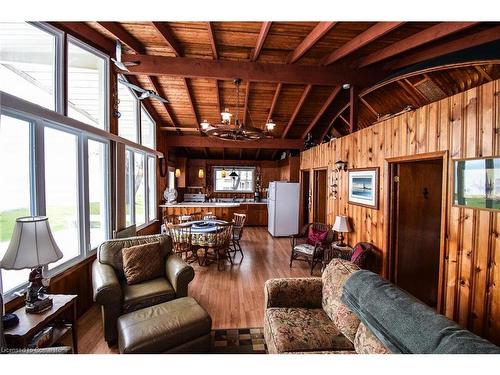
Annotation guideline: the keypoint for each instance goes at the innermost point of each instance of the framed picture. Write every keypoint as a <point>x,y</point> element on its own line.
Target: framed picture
<point>477,183</point>
<point>363,187</point>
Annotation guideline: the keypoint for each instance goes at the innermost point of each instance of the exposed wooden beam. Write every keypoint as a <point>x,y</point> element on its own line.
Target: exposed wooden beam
<point>264,30</point>
<point>296,111</point>
<point>120,33</point>
<point>257,154</point>
<point>191,103</point>
<point>353,109</point>
<point>309,41</point>
<point>325,106</point>
<point>411,92</point>
<point>485,36</point>
<point>199,141</point>
<point>167,36</point>
<point>211,36</point>
<point>219,107</point>
<point>425,36</point>
<point>250,71</point>
<point>275,100</point>
<point>345,121</point>
<point>334,118</point>
<point>376,31</point>
<point>241,154</point>
<point>183,129</point>
<point>159,90</point>
<point>147,104</point>
<point>85,33</point>
<point>367,105</point>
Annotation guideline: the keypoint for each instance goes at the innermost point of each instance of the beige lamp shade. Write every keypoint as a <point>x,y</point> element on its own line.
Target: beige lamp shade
<point>342,224</point>
<point>32,245</point>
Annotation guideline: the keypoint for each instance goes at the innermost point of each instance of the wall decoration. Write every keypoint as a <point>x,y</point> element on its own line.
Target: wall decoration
<point>477,183</point>
<point>363,187</point>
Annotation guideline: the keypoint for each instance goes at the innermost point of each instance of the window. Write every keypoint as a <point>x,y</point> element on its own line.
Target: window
<point>140,187</point>
<point>243,182</point>
<point>15,196</point>
<point>98,192</point>
<point>61,191</point>
<point>28,63</point>
<point>129,188</point>
<point>86,85</point>
<point>134,123</point>
<point>152,188</point>
<point>147,130</point>
<point>50,157</point>
<point>127,123</point>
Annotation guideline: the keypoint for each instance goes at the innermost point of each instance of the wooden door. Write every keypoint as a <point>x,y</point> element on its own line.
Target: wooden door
<point>320,196</point>
<point>305,191</point>
<point>417,228</point>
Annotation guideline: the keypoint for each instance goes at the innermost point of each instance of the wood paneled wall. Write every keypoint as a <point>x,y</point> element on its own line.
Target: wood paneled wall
<point>466,125</point>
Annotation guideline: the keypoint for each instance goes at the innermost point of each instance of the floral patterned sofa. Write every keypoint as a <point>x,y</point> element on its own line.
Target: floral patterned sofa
<point>306,315</point>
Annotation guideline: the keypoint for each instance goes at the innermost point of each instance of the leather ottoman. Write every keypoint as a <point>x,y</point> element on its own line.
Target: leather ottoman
<point>177,326</point>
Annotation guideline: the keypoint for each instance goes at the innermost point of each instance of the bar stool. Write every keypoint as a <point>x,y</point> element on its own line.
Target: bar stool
<point>237,233</point>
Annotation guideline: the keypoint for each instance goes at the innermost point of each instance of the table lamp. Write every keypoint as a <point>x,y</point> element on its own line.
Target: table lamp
<point>341,225</point>
<point>32,246</point>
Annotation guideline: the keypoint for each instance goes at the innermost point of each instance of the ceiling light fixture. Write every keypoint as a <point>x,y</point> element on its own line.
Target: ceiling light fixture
<point>236,131</point>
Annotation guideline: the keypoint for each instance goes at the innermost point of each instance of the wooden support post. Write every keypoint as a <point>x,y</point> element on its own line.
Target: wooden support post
<point>353,108</point>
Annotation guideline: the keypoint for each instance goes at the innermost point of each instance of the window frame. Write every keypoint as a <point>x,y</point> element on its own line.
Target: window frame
<point>106,83</point>
<point>236,168</point>
<point>38,204</point>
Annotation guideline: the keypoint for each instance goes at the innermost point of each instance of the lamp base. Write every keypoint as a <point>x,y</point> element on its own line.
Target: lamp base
<point>9,321</point>
<point>39,306</point>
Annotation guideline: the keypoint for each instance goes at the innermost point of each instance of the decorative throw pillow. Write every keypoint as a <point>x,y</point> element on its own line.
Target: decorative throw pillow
<point>143,262</point>
<point>314,235</point>
<point>358,256</point>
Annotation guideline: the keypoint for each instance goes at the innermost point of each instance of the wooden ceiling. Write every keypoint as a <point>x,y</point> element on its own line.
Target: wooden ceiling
<point>292,72</point>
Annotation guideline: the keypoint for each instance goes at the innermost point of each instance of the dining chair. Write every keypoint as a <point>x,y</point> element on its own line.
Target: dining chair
<point>221,242</point>
<point>196,216</point>
<point>184,218</point>
<point>209,216</point>
<point>237,233</point>
<point>181,240</point>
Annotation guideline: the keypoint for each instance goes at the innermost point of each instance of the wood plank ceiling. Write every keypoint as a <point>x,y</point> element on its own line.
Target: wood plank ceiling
<point>292,73</point>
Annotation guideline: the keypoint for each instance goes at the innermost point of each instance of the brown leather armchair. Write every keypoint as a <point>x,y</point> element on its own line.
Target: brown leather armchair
<point>116,297</point>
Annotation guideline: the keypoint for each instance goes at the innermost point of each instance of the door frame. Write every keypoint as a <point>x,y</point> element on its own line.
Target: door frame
<point>312,213</point>
<point>389,172</point>
<point>302,206</point>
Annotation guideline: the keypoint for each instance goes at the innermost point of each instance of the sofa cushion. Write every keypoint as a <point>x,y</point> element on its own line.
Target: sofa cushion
<point>110,252</point>
<point>147,293</point>
<point>334,277</point>
<point>314,235</point>
<point>295,329</point>
<point>304,248</point>
<point>366,342</point>
<point>143,262</point>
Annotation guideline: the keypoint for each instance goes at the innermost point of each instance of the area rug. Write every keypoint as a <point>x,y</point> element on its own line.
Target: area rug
<point>238,341</point>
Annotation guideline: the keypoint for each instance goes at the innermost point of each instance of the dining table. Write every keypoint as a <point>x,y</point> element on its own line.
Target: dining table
<point>203,232</point>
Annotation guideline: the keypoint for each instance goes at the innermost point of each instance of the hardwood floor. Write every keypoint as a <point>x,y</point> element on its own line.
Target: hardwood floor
<point>234,297</point>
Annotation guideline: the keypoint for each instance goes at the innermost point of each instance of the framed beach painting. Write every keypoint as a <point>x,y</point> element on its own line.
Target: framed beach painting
<point>477,183</point>
<point>363,187</point>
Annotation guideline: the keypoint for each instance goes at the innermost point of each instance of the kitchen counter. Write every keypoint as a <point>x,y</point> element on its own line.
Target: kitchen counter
<point>256,211</point>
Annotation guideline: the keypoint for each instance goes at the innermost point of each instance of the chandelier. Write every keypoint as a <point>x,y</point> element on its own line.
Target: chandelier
<point>236,131</point>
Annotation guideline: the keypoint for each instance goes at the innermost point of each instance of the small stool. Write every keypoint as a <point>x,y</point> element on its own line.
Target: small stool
<point>177,326</point>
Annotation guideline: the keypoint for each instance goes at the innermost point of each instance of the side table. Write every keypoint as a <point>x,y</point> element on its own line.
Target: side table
<point>335,251</point>
<point>62,316</point>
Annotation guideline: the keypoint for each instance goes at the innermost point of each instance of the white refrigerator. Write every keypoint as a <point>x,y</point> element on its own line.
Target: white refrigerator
<point>283,208</point>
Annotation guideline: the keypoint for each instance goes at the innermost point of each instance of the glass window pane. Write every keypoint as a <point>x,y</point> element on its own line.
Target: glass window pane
<point>147,130</point>
<point>127,123</point>
<point>61,191</point>
<point>15,187</point>
<point>129,180</point>
<point>98,207</point>
<point>140,208</point>
<point>242,182</point>
<point>27,63</point>
<point>86,86</point>
<point>152,188</point>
